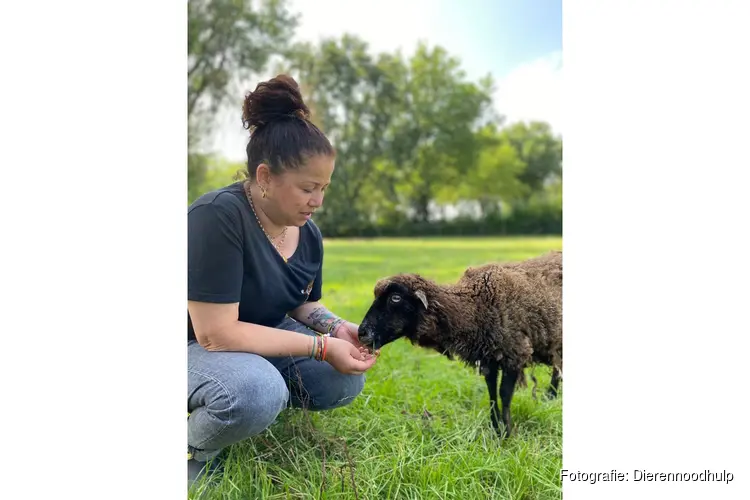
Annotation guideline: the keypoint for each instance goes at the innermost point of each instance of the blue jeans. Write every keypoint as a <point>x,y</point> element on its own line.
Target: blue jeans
<point>235,395</point>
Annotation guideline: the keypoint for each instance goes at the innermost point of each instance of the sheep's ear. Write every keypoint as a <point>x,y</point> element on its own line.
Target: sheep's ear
<point>421,296</point>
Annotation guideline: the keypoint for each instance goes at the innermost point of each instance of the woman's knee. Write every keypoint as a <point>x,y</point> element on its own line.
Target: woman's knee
<point>258,402</point>
<point>240,399</point>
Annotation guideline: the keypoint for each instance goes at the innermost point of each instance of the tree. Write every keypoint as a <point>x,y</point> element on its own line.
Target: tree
<point>231,38</point>
<point>215,172</point>
<point>434,142</point>
<point>403,130</point>
<point>539,149</point>
<point>352,99</point>
<point>227,40</point>
<point>494,177</point>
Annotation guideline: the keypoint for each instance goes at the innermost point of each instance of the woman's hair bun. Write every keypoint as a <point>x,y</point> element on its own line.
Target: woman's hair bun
<point>277,98</point>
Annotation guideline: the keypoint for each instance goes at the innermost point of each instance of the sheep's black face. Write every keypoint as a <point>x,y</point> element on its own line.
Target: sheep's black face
<point>394,313</point>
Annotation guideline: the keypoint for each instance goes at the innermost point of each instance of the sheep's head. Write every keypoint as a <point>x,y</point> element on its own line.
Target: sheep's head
<point>399,310</point>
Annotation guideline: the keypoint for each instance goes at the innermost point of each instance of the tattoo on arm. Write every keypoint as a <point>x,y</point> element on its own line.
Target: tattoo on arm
<point>323,320</point>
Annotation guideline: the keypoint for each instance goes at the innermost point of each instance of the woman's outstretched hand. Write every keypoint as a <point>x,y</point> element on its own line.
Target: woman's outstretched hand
<point>346,358</point>
<point>349,332</point>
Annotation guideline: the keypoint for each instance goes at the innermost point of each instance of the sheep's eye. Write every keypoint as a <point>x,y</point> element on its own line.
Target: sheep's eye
<point>395,298</point>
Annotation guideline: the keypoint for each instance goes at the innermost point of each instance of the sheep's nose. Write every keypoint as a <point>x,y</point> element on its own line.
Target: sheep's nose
<point>365,332</point>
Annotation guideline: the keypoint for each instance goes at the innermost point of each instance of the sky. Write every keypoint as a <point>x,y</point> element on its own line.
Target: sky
<point>518,42</point>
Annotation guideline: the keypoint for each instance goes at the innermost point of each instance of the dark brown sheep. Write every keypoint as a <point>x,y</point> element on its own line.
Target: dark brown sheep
<point>505,317</point>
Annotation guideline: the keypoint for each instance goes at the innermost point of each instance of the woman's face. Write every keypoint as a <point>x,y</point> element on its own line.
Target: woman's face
<point>295,195</point>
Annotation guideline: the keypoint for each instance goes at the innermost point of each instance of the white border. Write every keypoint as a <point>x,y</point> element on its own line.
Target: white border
<point>93,207</point>
<point>655,107</point>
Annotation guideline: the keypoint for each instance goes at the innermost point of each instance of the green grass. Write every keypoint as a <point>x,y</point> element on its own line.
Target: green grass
<point>420,429</point>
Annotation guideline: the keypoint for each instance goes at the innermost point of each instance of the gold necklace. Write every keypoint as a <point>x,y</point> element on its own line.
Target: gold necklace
<point>277,246</point>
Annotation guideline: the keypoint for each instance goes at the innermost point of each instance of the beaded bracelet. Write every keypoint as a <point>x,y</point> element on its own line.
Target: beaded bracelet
<point>319,347</point>
<point>325,346</point>
<point>322,352</point>
<point>332,327</point>
<point>314,346</point>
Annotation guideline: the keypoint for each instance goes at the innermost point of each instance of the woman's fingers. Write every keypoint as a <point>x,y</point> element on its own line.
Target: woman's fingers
<point>362,365</point>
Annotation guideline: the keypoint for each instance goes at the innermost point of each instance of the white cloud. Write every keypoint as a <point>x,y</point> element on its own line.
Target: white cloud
<point>386,24</point>
<point>533,91</point>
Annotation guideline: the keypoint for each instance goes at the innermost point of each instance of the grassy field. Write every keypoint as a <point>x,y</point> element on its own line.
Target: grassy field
<point>420,429</point>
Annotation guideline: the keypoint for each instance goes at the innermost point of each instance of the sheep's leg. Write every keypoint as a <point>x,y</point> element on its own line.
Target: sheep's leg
<point>490,376</point>
<point>552,390</point>
<point>507,386</point>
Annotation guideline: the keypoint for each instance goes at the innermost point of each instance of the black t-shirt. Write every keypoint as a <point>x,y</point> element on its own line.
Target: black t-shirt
<point>230,260</point>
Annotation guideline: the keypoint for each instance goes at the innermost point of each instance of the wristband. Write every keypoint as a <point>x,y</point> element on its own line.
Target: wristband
<point>314,346</point>
<point>334,326</point>
<point>325,348</point>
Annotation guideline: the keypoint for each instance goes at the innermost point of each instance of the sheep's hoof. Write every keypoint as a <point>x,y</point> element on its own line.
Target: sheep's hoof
<point>503,434</point>
<point>502,431</point>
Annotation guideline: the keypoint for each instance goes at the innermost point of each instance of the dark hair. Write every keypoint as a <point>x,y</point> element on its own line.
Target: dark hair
<point>281,133</point>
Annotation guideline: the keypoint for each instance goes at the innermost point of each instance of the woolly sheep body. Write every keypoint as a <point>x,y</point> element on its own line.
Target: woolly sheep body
<point>504,316</point>
<point>518,311</point>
